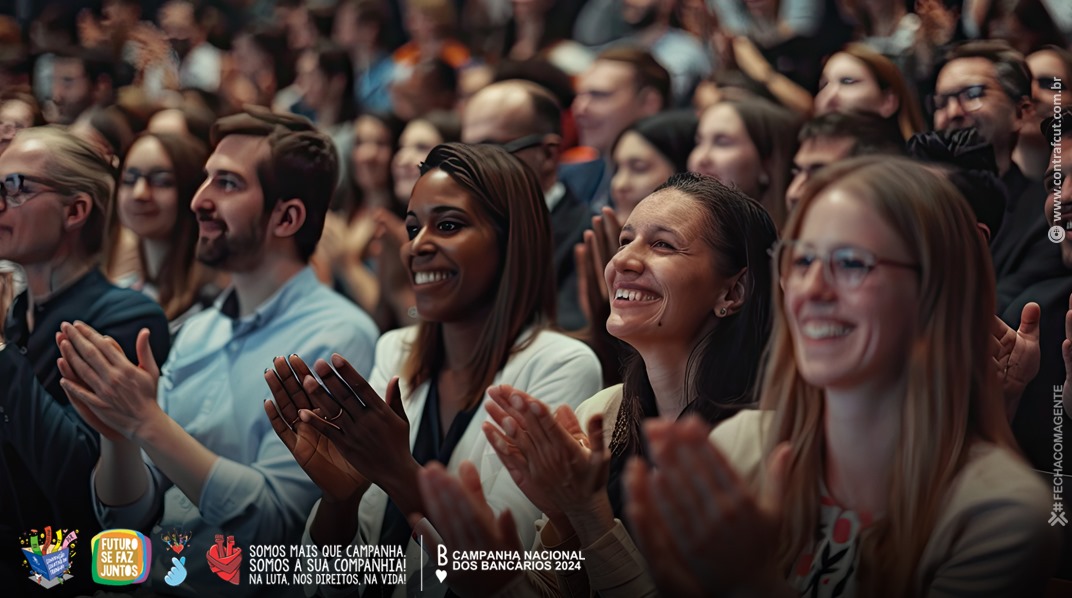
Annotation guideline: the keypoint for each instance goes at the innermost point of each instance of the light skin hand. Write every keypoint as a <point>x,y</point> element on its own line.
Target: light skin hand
<point>465,522</point>
<point>562,470</point>
<point>695,509</point>
<point>1017,355</point>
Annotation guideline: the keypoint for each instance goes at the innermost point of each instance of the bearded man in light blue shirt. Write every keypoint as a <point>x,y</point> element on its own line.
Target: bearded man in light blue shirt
<point>188,448</point>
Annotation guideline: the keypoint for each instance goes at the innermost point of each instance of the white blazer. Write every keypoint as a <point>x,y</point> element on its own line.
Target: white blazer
<point>554,368</point>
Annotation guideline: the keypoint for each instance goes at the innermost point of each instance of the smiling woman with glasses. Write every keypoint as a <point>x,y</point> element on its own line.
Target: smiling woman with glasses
<point>157,181</point>
<point>880,462</point>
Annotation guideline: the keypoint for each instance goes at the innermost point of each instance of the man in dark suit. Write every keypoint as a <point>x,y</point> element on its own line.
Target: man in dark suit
<point>526,119</point>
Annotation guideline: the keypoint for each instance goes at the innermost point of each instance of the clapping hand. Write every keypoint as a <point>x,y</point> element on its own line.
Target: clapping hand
<point>313,451</point>
<point>559,468</point>
<point>1017,355</point>
<point>465,522</point>
<point>701,528</point>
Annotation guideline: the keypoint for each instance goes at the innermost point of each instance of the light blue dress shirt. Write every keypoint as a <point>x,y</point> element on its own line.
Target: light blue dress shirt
<point>213,385</point>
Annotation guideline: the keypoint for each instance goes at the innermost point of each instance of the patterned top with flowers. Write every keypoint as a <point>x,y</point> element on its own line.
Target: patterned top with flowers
<point>829,570</point>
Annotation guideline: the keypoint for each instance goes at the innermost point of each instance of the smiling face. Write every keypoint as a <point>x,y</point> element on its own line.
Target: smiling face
<point>230,205</point>
<point>725,151</point>
<point>31,233</point>
<point>453,253</point>
<point>996,117</point>
<point>664,280</point>
<point>148,196</point>
<point>847,339</point>
<point>638,169</point>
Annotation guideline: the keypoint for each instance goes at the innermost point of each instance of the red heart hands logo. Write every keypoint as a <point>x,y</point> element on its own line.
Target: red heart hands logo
<point>225,559</point>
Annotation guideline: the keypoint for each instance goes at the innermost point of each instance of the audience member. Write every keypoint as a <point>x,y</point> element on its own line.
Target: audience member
<point>184,446</point>
<point>480,259</point>
<point>622,86</point>
<point>56,192</point>
<point>526,120</point>
<point>748,145</point>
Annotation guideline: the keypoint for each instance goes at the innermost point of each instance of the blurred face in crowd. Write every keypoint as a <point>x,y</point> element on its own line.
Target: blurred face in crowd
<point>148,196</point>
<point>171,120</point>
<point>179,25</point>
<point>848,85</point>
<point>663,281</point>
<point>1060,193</point>
<point>725,151</point>
<point>230,205</point>
<point>32,232</point>
<point>417,139</point>
<point>72,91</point>
<point>848,335</point>
<point>15,115</point>
<point>1050,78</point>
<point>638,169</point>
<point>502,114</point>
<point>372,153</point>
<point>607,102</point>
<point>526,10</point>
<point>312,81</point>
<point>982,102</point>
<point>814,154</point>
<point>453,251</point>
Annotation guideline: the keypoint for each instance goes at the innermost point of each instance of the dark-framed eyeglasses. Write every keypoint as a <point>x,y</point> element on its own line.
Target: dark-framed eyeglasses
<point>14,191</point>
<point>521,143</point>
<point>156,178</point>
<point>970,98</point>
<point>1051,83</point>
<point>844,267</point>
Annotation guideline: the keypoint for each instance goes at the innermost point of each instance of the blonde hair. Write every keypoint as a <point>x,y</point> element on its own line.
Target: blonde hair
<point>76,165</point>
<point>951,398</point>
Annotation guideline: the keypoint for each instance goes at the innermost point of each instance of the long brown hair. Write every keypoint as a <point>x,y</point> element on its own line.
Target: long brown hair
<point>951,399</point>
<point>509,195</point>
<point>773,131</point>
<point>181,276</point>
<point>890,79</point>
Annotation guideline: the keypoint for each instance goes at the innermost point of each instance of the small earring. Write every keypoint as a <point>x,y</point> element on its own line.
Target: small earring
<point>722,312</point>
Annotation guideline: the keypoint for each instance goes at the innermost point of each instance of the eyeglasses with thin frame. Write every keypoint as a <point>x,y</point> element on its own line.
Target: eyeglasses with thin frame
<point>970,98</point>
<point>156,178</point>
<point>13,191</point>
<point>844,267</point>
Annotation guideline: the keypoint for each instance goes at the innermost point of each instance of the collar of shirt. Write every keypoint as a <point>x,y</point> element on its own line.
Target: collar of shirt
<point>288,294</point>
<point>554,195</point>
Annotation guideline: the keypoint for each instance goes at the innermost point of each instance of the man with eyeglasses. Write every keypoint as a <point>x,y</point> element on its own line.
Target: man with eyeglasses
<point>53,192</point>
<point>987,85</point>
<point>526,120</point>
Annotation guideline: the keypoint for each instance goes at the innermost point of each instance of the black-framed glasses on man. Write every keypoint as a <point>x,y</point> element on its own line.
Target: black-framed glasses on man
<point>970,98</point>
<point>14,191</point>
<point>516,145</point>
<point>844,267</point>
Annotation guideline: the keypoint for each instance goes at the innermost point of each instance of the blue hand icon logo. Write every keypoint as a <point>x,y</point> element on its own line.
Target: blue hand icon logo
<point>177,574</point>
